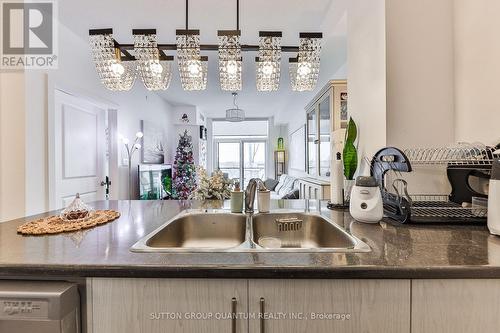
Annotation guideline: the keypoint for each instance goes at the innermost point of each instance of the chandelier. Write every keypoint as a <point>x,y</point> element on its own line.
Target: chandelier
<point>235,114</point>
<point>117,65</point>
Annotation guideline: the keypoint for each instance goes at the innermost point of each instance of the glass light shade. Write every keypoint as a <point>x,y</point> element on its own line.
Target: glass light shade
<point>193,68</point>
<point>115,74</point>
<point>235,115</point>
<point>304,70</point>
<point>155,70</point>
<point>269,61</point>
<point>230,61</point>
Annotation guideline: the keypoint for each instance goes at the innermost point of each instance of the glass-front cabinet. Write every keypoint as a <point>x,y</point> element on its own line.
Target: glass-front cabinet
<point>326,114</point>
<point>312,141</point>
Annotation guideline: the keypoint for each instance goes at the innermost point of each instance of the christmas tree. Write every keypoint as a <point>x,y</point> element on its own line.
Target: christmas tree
<point>185,170</point>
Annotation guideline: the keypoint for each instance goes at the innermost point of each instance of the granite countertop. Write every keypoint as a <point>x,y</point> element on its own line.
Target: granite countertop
<point>398,251</point>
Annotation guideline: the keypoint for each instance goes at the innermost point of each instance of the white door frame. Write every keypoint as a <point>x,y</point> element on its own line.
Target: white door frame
<point>112,149</point>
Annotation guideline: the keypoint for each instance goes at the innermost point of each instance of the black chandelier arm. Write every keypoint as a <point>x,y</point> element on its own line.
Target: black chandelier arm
<point>237,14</point>
<point>207,47</point>
<point>187,14</point>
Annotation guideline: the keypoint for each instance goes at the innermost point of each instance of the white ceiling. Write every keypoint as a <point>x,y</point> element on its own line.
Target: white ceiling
<point>289,16</point>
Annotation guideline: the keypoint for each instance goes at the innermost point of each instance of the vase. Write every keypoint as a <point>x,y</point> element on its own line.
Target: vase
<point>281,144</point>
<point>348,185</point>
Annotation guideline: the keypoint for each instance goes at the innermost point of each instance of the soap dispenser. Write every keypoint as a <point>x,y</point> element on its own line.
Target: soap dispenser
<point>236,199</point>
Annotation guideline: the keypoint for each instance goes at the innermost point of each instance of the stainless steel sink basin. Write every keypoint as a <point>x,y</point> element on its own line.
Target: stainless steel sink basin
<point>302,232</point>
<point>196,232</point>
<point>283,231</point>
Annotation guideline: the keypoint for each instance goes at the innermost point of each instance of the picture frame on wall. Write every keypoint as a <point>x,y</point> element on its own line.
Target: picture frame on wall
<point>203,132</point>
<point>152,151</point>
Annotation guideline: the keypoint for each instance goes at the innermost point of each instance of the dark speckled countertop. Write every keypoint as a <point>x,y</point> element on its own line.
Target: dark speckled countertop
<point>398,251</point>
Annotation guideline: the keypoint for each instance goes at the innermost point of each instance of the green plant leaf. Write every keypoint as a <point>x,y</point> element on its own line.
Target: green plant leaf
<point>350,160</point>
<point>350,153</point>
<point>352,131</point>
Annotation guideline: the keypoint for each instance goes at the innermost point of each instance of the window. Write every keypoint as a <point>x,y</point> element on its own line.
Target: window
<point>242,159</point>
<point>241,149</point>
<point>229,159</point>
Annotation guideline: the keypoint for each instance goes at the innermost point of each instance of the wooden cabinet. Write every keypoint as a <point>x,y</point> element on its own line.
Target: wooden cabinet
<point>259,306</point>
<point>167,305</point>
<point>326,113</point>
<point>329,306</point>
<point>455,306</point>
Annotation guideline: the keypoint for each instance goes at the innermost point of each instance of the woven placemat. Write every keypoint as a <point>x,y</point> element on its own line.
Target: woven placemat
<point>55,225</point>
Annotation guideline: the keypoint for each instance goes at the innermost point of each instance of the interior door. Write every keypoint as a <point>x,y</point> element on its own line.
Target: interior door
<point>79,150</point>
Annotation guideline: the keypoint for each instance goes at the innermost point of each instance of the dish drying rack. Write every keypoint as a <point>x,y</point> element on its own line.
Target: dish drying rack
<point>462,159</point>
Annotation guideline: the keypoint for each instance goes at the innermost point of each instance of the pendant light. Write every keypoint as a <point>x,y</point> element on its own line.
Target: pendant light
<point>155,68</point>
<point>304,70</point>
<point>115,74</point>
<point>269,61</point>
<point>193,68</point>
<point>235,114</point>
<point>230,60</point>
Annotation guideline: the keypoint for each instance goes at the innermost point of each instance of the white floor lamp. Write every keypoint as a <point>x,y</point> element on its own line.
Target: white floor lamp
<point>131,149</point>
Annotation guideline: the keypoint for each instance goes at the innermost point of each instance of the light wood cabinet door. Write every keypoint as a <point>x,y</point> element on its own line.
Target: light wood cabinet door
<point>168,305</point>
<point>329,306</point>
<point>455,306</point>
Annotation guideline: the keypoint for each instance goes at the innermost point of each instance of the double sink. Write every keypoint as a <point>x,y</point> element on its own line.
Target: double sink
<point>221,231</point>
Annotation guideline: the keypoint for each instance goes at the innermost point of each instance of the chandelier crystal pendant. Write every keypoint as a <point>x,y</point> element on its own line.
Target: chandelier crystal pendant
<point>230,60</point>
<point>268,61</point>
<point>192,68</point>
<point>154,67</point>
<point>115,74</point>
<point>235,114</point>
<point>304,71</point>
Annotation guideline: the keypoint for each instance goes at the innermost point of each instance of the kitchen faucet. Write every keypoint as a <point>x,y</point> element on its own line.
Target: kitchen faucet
<point>250,193</point>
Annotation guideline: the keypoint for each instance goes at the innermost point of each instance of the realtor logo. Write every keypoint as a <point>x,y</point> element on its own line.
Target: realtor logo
<point>28,34</point>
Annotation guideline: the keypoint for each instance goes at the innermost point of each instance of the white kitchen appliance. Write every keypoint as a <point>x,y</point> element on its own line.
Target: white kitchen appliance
<point>366,203</point>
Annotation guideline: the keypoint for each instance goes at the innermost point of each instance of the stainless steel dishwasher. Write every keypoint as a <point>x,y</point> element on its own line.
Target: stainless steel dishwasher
<point>39,306</point>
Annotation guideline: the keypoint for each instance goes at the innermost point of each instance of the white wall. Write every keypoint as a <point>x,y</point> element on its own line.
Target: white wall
<point>12,145</point>
<point>477,70</point>
<point>36,100</point>
<point>420,78</point>
<point>442,72</point>
<point>366,79</point>
<point>420,73</point>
